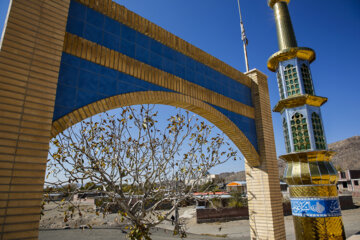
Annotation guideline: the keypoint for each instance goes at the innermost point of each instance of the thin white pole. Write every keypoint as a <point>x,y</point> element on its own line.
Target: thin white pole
<point>243,38</point>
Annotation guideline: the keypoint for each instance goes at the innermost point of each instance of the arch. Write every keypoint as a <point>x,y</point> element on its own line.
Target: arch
<point>166,98</point>
<point>165,71</point>
<point>300,132</point>
<point>291,81</point>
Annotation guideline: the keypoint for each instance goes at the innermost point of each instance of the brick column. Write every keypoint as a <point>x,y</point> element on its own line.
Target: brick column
<point>29,65</point>
<point>263,185</point>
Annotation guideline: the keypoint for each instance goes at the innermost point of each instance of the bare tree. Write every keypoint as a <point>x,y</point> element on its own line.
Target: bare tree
<point>137,163</point>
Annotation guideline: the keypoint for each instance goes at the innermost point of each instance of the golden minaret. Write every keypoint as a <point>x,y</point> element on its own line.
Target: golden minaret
<point>309,172</point>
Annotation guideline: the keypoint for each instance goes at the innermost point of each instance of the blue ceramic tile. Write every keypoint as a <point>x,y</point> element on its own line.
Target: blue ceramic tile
<point>77,10</point>
<point>68,75</point>
<point>65,96</point>
<point>60,111</point>
<point>156,46</point>
<point>143,85</point>
<point>112,26</point>
<point>86,97</point>
<point>180,70</point>
<point>142,40</point>
<point>93,34</point>
<point>158,88</point>
<point>135,81</point>
<point>92,83</point>
<point>205,70</point>
<point>91,67</point>
<point>198,66</point>
<point>75,26</point>
<point>162,57</point>
<point>108,72</point>
<point>130,42</point>
<point>212,73</point>
<point>128,33</point>
<point>189,74</point>
<point>168,53</point>
<point>168,66</point>
<point>88,81</point>
<point>111,41</point>
<point>70,60</point>
<point>199,79</point>
<point>142,54</point>
<point>125,87</point>
<point>95,18</point>
<point>107,86</point>
<point>245,124</point>
<point>181,59</point>
<point>190,63</point>
<point>148,86</point>
<point>155,60</point>
<point>128,48</point>
<point>124,77</point>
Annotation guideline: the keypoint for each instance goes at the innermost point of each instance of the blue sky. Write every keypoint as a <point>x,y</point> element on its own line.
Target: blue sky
<point>330,27</point>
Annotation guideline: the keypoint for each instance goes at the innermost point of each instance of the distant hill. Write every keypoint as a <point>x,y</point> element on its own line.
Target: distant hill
<point>232,176</point>
<point>347,154</point>
<point>347,157</point>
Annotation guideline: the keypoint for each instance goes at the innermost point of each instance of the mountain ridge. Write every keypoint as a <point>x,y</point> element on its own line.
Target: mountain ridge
<point>347,153</point>
<point>347,157</point>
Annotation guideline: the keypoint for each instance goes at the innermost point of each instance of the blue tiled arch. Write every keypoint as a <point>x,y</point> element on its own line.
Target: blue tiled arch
<point>82,82</point>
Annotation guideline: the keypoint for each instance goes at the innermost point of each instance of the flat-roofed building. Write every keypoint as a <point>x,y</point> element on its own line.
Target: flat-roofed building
<point>349,182</point>
<point>236,186</point>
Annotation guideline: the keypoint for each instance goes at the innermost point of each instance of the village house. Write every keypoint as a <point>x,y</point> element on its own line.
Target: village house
<point>349,182</point>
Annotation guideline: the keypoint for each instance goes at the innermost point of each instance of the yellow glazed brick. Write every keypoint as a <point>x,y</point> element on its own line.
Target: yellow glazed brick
<point>7,116</point>
<point>20,227</point>
<point>24,203</point>
<point>19,219</point>
<point>28,180</point>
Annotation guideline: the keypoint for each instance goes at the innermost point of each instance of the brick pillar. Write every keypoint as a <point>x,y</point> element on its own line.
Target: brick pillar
<point>29,65</point>
<point>263,185</point>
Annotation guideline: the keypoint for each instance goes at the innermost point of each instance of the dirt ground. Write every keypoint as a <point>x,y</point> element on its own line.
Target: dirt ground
<point>109,227</point>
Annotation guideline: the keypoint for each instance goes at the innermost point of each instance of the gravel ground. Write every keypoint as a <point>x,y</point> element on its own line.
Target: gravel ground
<point>110,228</point>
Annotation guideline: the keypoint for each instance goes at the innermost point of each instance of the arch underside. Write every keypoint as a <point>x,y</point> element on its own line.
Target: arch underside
<point>166,98</point>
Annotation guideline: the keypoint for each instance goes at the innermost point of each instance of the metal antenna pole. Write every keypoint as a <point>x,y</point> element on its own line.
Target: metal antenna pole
<point>243,38</point>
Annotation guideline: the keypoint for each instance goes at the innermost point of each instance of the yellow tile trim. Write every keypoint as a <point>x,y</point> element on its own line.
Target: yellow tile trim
<point>93,52</point>
<point>313,191</point>
<point>319,228</point>
<point>290,53</point>
<point>144,26</point>
<point>311,156</point>
<point>167,98</point>
<point>305,168</point>
<point>299,101</point>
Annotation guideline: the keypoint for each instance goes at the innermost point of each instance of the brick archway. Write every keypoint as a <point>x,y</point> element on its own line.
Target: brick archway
<point>165,98</point>
<point>64,60</point>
